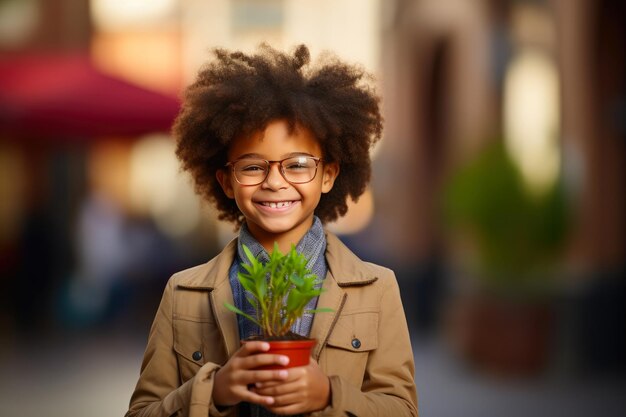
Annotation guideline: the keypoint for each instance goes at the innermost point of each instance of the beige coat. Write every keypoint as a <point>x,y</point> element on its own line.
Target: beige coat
<point>193,334</point>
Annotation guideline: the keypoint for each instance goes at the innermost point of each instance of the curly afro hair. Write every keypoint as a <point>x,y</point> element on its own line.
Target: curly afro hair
<point>237,94</point>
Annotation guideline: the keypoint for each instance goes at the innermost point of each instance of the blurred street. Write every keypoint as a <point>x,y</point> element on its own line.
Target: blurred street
<point>91,376</point>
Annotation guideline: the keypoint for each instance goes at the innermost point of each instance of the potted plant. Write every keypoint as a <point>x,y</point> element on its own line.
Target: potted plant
<point>508,240</point>
<point>279,290</point>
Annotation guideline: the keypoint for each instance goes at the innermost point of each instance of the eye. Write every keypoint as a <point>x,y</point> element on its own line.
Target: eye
<point>251,166</point>
<point>298,163</point>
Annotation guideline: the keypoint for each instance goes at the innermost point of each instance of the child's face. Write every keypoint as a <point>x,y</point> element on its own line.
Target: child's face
<point>275,209</point>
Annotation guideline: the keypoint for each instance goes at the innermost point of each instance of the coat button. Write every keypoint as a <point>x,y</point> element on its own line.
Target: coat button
<point>197,355</point>
<point>356,343</point>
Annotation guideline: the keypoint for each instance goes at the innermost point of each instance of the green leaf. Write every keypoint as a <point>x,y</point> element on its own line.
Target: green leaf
<point>262,287</point>
<point>276,251</point>
<point>248,284</point>
<point>294,300</point>
<point>296,280</point>
<point>237,311</point>
<point>250,256</point>
<point>249,268</point>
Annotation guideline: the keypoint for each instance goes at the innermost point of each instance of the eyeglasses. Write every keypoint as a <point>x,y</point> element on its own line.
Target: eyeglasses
<point>295,170</point>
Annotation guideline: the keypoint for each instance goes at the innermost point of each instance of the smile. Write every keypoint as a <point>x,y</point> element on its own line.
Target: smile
<point>276,204</point>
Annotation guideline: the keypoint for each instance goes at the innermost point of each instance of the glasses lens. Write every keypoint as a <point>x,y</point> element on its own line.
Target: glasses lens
<point>250,171</point>
<point>299,169</point>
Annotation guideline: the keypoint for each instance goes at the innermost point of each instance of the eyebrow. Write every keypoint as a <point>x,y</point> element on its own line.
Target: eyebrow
<point>289,155</point>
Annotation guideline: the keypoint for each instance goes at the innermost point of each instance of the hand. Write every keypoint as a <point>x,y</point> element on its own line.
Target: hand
<point>305,389</point>
<point>233,379</point>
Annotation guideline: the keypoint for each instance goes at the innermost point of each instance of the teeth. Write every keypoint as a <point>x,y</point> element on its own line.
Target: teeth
<point>278,204</point>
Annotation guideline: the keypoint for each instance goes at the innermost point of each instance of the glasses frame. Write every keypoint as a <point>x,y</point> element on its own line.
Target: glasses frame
<point>281,170</point>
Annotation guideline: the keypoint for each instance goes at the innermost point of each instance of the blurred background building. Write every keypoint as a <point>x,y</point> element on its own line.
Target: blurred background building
<point>498,193</point>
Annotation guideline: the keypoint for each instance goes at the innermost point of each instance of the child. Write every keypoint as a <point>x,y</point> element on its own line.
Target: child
<point>278,147</point>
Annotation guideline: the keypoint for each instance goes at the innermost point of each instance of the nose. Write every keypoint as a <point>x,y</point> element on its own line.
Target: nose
<point>275,179</point>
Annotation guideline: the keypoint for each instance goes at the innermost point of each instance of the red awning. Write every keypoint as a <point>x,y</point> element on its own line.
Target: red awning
<point>54,97</point>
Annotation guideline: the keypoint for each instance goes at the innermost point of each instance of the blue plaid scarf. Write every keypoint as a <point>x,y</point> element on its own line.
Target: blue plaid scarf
<point>313,246</point>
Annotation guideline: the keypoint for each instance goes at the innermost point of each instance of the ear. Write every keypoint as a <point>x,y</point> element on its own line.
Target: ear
<point>329,174</point>
<point>223,177</point>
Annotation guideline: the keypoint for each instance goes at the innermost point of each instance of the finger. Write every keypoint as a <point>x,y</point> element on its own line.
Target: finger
<point>294,374</point>
<point>264,359</point>
<point>253,377</point>
<point>268,384</point>
<point>250,348</point>
<point>253,397</point>
<point>279,389</point>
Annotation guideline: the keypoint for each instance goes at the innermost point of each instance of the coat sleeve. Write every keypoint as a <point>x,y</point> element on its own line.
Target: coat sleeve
<point>158,392</point>
<point>388,387</point>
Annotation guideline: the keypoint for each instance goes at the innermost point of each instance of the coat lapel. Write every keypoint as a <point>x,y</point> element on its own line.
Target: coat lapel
<point>222,292</point>
<point>226,320</point>
<point>214,278</point>
<point>345,269</point>
<point>333,297</point>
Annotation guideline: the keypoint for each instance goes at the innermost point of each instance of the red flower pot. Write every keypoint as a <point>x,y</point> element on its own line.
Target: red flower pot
<point>298,351</point>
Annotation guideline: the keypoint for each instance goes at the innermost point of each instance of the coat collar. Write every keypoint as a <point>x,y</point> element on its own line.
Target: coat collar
<point>213,273</point>
<point>346,268</point>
